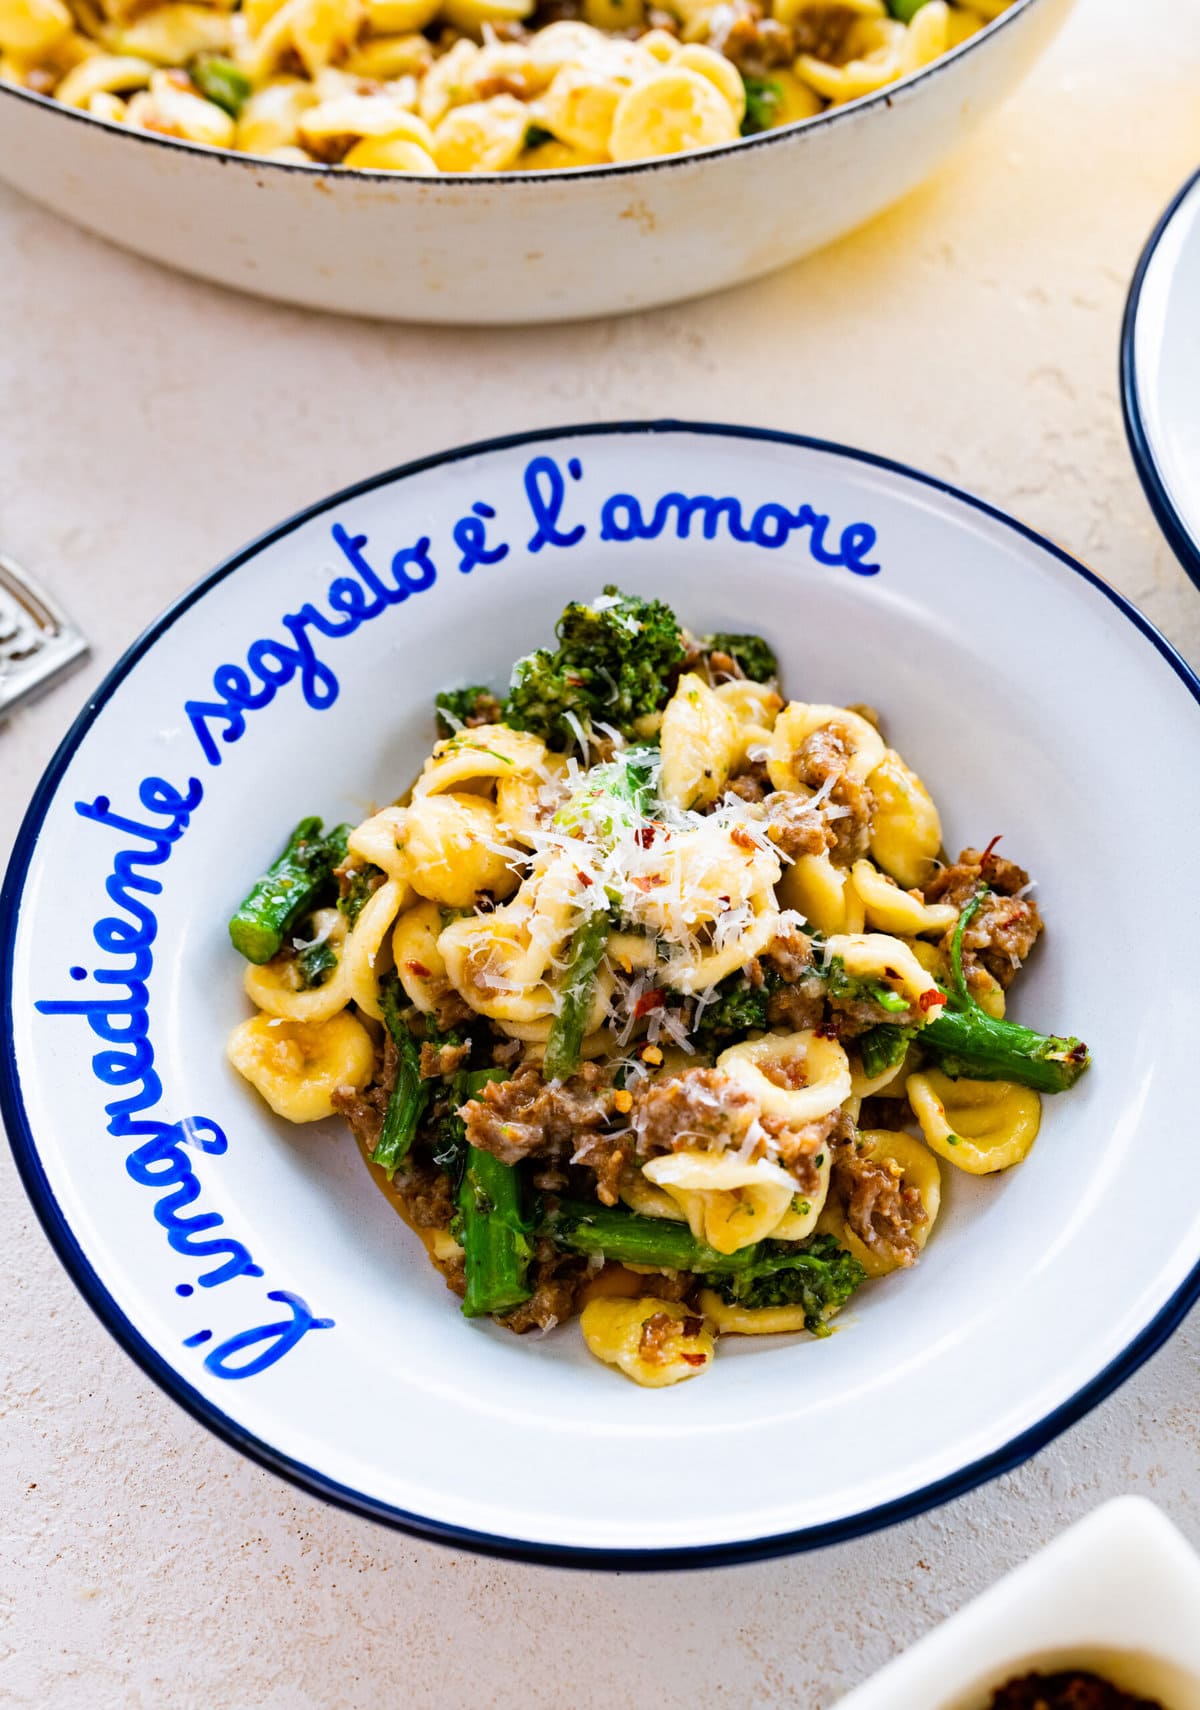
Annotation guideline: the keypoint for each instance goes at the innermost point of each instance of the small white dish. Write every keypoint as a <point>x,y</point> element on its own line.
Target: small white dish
<point>295,1315</point>
<point>1160,374</point>
<point>1117,1595</point>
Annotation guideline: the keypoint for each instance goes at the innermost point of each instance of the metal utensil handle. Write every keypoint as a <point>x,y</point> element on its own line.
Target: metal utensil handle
<point>38,641</point>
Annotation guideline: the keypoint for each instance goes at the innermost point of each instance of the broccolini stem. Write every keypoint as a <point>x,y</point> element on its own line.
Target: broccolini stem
<point>631,1239</point>
<point>965,1040</point>
<point>579,985</point>
<point>495,1237</point>
<point>410,1095</point>
<point>972,1043</point>
<point>291,887</point>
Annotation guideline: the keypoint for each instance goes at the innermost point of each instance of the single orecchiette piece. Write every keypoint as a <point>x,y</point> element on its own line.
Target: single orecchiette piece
<point>175,112</point>
<point>380,840</point>
<point>876,956</point>
<point>668,113</point>
<point>33,26</point>
<point>453,847</point>
<point>823,894</point>
<point>272,985</point>
<point>271,117</point>
<point>110,73</point>
<point>889,909</point>
<point>728,1202</point>
<point>874,57</point>
<point>860,741</point>
<point>297,1066</point>
<point>906,833</point>
<point>721,73</point>
<point>755,708</point>
<point>481,136</point>
<point>420,965</point>
<point>800,1219</point>
<point>729,1320</point>
<point>492,752</point>
<point>654,1342</point>
<point>795,1076</point>
<point>981,1126</point>
<point>700,742</point>
<point>360,955</point>
<point>710,964</point>
<point>914,1166</point>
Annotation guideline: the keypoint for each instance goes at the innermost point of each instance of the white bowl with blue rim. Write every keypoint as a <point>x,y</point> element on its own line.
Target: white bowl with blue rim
<point>255,1271</point>
<point>1160,374</point>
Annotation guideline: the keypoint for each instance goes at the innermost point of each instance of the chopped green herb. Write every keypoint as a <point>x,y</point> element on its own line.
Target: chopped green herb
<point>221,82</point>
<point>763,99</point>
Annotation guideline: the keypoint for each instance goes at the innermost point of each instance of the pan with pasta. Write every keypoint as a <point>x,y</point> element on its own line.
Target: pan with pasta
<point>656,999</point>
<point>451,86</point>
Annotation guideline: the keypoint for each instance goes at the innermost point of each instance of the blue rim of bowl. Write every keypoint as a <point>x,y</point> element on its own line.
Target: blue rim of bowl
<point>1180,538</point>
<point>24,1148</point>
<point>881,97</point>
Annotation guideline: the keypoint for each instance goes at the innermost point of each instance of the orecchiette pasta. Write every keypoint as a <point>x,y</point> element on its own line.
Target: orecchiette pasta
<point>297,1066</point>
<point>699,743</point>
<point>727,1202</point>
<point>453,848</point>
<point>492,85</point>
<point>906,832</point>
<point>795,1076</point>
<point>604,1009</point>
<point>981,1126</point>
<point>859,744</point>
<point>889,909</point>
<point>654,1342</point>
<point>823,894</point>
<point>913,1166</point>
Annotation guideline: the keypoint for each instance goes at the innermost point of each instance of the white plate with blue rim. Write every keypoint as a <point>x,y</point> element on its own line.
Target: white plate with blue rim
<point>254,1270</point>
<point>1160,374</point>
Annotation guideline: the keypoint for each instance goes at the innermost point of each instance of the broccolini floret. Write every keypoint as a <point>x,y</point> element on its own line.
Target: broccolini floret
<point>818,1275</point>
<point>763,99</point>
<point>613,666</point>
<point>737,1009</point>
<point>749,652</point>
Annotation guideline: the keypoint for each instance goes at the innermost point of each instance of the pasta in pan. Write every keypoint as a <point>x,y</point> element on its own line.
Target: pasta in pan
<point>655,998</point>
<point>449,86</point>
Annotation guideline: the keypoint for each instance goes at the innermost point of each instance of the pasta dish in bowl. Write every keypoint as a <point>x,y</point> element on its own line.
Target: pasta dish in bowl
<point>654,996</point>
<point>492,161</point>
<point>427,86</point>
<point>678,992</point>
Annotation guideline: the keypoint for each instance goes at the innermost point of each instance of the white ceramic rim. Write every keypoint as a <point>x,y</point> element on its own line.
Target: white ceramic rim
<point>24,1147</point>
<point>1180,536</point>
<point>613,169</point>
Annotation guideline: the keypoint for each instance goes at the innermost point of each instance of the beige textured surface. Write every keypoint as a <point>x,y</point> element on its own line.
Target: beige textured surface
<point>147,426</point>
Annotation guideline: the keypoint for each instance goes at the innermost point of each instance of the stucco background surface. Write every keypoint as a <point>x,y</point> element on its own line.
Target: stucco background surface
<point>148,425</point>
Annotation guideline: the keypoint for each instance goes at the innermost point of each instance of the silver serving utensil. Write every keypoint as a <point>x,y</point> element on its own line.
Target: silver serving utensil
<point>38,641</point>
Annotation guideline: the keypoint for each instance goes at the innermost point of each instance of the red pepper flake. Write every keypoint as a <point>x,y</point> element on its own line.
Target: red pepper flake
<point>419,969</point>
<point>825,1030</point>
<point>644,836</point>
<point>986,857</point>
<point>694,1359</point>
<point>931,999</point>
<point>583,878</point>
<point>742,838</point>
<point>654,999</point>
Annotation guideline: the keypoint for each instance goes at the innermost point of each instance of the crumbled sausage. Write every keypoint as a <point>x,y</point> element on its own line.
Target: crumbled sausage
<point>555,1277</point>
<point>442,1059</point>
<point>1005,926</point>
<point>880,1208</point>
<point>703,1108</point>
<point>524,1117</point>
